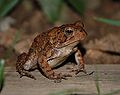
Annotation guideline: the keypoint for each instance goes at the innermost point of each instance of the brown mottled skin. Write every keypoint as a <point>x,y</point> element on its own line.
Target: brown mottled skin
<point>49,49</point>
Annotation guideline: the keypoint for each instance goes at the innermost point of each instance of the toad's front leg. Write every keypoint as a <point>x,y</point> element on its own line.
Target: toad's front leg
<point>47,70</point>
<point>80,67</point>
<point>80,62</point>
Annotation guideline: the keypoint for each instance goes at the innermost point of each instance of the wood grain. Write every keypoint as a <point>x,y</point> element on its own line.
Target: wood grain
<point>109,80</point>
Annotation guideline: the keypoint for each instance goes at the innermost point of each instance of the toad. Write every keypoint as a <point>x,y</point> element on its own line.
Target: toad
<point>50,49</point>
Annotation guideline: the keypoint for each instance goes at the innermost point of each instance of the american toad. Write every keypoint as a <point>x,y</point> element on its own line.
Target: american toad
<point>49,49</point>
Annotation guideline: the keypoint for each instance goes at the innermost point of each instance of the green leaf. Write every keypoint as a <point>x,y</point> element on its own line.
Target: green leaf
<point>78,5</point>
<point>97,84</point>
<point>1,2</point>
<point>51,9</point>
<point>108,21</point>
<point>6,6</point>
<point>1,73</point>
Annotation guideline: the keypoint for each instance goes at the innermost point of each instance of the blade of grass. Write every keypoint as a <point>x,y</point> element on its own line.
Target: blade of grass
<point>6,6</point>
<point>51,9</point>
<point>78,5</point>
<point>16,38</point>
<point>1,73</point>
<point>1,2</point>
<point>97,82</point>
<point>108,21</point>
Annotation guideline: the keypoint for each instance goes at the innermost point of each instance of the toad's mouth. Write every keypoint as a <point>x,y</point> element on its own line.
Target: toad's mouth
<point>72,44</point>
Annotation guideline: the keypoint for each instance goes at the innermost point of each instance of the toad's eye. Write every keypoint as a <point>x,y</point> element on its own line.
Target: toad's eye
<point>68,32</point>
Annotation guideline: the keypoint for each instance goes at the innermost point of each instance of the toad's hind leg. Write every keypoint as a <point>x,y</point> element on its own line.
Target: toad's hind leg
<point>26,73</point>
<point>19,66</point>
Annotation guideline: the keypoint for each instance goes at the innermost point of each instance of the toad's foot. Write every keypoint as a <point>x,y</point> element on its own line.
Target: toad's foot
<point>27,74</point>
<point>78,70</point>
<point>84,71</point>
<point>59,77</point>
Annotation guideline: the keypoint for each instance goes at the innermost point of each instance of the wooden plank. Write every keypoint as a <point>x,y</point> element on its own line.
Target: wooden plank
<point>109,79</point>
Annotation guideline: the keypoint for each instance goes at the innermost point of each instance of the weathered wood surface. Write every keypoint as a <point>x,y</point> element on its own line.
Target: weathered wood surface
<point>109,79</point>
